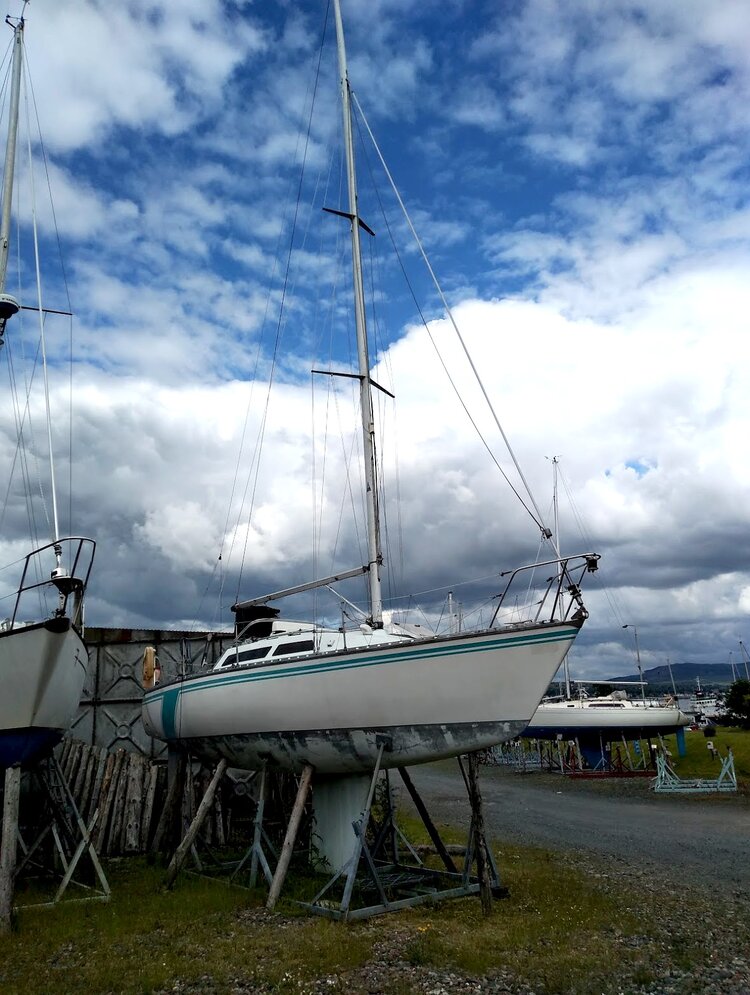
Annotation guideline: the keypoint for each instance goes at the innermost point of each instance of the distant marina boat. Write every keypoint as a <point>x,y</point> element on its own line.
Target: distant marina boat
<point>382,693</point>
<point>609,717</point>
<point>43,657</point>
<point>705,705</point>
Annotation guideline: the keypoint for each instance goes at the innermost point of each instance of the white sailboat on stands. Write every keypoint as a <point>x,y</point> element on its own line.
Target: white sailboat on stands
<point>380,695</point>
<point>611,717</point>
<point>595,721</point>
<point>43,657</point>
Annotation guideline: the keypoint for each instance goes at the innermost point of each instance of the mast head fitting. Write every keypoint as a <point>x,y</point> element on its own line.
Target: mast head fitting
<point>8,307</point>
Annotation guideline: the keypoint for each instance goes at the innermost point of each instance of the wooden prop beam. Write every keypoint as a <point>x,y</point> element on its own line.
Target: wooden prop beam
<point>203,809</point>
<point>8,846</point>
<point>291,835</point>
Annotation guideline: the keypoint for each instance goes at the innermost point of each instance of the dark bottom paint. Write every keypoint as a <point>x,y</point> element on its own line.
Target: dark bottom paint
<point>26,746</point>
<point>609,735</point>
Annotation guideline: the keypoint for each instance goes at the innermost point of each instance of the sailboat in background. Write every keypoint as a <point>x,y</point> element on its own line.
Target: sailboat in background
<point>384,693</point>
<point>605,717</point>
<point>596,720</point>
<point>42,662</point>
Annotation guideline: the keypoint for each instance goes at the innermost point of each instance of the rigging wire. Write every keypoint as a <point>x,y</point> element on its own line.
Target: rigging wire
<point>221,566</point>
<point>427,328</point>
<point>63,273</point>
<point>45,367</point>
<point>615,607</point>
<point>25,445</point>
<point>536,514</point>
<point>383,409</point>
<point>317,509</point>
<point>285,287</point>
<point>351,450</point>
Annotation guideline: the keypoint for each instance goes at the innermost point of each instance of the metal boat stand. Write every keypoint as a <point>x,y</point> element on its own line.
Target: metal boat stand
<point>207,860</point>
<point>256,854</point>
<point>261,854</point>
<point>379,870</point>
<point>667,780</point>
<point>375,879</point>
<point>61,847</point>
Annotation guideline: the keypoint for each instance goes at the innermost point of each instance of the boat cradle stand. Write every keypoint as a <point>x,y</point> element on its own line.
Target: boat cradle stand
<point>667,780</point>
<point>378,869</point>
<point>375,878</point>
<point>61,846</point>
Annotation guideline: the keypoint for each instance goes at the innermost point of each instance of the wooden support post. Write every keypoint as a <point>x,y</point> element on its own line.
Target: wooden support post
<point>133,790</point>
<point>105,801</point>
<point>76,786</point>
<point>64,751</point>
<point>291,835</point>
<point>172,803</point>
<point>118,789</point>
<point>149,794</point>
<point>428,824</point>
<point>8,846</point>
<point>480,844</point>
<point>203,809</point>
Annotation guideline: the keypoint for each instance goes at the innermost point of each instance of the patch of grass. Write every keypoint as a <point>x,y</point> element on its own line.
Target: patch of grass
<point>564,928</point>
<point>144,938</point>
<point>560,929</point>
<point>700,763</point>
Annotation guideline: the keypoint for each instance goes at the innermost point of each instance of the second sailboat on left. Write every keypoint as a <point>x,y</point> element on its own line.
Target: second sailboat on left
<point>43,657</point>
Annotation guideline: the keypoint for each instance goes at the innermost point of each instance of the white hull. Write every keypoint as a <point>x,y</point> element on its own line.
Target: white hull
<point>43,668</point>
<point>598,717</point>
<point>425,699</point>
<point>709,708</point>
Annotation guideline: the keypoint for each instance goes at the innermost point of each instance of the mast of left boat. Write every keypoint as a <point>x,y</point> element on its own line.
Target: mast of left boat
<point>375,556</point>
<point>9,306</point>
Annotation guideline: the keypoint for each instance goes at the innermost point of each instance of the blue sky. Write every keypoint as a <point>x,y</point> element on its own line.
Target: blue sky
<point>579,176</point>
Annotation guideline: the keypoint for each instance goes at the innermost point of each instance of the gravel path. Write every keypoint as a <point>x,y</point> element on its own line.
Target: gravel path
<point>692,840</point>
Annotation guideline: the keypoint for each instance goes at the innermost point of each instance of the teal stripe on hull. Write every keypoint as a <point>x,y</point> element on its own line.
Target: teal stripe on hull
<point>168,712</point>
<point>381,658</point>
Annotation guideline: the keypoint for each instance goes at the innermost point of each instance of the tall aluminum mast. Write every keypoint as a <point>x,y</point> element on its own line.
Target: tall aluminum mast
<point>368,427</point>
<point>8,304</point>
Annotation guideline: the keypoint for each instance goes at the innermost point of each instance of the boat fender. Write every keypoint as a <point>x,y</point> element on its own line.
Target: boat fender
<point>151,669</point>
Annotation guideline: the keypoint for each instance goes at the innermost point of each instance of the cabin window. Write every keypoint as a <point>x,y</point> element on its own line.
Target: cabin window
<point>301,646</point>
<point>244,656</point>
<point>254,654</point>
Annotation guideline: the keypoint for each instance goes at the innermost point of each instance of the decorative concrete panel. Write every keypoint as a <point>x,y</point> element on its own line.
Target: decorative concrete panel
<point>110,711</point>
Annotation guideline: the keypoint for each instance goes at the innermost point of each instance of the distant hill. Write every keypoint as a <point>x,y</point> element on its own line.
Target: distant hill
<point>686,673</point>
